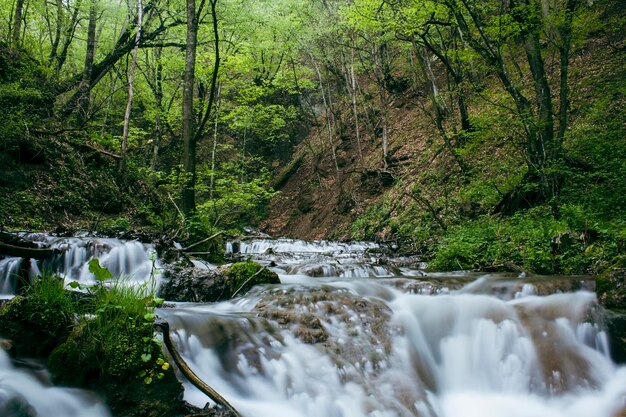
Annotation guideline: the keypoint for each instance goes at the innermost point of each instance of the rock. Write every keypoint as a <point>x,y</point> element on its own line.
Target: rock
<point>611,292</point>
<point>193,284</point>
<point>35,325</point>
<point>616,326</point>
<point>223,283</point>
<point>611,289</point>
<point>15,406</point>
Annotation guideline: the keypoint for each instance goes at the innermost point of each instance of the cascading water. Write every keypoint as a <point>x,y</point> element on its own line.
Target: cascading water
<point>130,259</point>
<point>397,346</point>
<point>24,394</point>
<point>349,334</point>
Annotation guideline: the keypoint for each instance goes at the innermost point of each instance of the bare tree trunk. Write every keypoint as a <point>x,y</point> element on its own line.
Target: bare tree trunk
<point>353,90</point>
<point>329,126</point>
<point>60,57</point>
<point>566,44</point>
<point>129,103</point>
<point>84,87</point>
<point>188,194</point>
<point>191,133</point>
<point>441,110</point>
<point>158,98</point>
<point>54,45</point>
<point>17,23</point>
<point>214,148</point>
<point>383,119</point>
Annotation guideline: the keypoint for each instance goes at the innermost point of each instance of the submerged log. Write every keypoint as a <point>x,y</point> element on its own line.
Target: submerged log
<point>22,252</point>
<point>164,326</point>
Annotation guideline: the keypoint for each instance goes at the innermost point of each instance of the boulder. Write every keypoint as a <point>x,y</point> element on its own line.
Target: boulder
<point>223,283</point>
<point>616,326</point>
<point>611,289</point>
<point>611,292</point>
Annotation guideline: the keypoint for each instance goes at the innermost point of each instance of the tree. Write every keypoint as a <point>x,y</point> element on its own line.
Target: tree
<point>192,132</point>
<point>131,79</point>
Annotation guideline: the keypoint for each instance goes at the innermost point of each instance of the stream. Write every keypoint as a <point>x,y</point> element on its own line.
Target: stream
<point>351,333</point>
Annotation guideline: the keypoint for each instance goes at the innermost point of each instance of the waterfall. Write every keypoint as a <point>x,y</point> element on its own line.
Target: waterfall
<point>127,258</point>
<point>348,334</point>
<point>401,344</point>
<point>24,394</point>
<point>373,350</point>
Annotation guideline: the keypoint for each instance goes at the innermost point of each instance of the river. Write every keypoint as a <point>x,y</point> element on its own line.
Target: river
<point>350,333</point>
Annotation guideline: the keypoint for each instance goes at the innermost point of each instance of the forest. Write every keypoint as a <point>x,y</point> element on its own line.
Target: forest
<point>312,208</point>
<point>477,134</point>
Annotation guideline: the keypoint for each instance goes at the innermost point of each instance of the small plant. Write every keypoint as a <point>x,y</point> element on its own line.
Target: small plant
<point>121,320</point>
<point>41,319</point>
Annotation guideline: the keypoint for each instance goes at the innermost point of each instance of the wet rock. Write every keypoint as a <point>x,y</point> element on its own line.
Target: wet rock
<point>616,326</point>
<point>193,284</point>
<point>200,285</point>
<point>15,406</point>
<point>35,325</point>
<point>611,289</point>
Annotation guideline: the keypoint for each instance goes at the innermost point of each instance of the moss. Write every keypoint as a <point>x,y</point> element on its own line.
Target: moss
<point>240,273</point>
<point>611,289</point>
<point>40,321</point>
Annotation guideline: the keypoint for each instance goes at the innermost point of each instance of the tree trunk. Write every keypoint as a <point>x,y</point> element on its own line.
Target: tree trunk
<point>328,113</point>
<point>564,49</point>
<point>17,23</point>
<point>69,37</point>
<point>188,194</point>
<point>129,103</point>
<point>353,90</point>
<point>54,47</point>
<point>214,148</point>
<point>158,98</point>
<point>543,100</point>
<point>84,88</point>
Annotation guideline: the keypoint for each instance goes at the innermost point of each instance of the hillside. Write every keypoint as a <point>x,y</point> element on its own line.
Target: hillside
<point>423,200</point>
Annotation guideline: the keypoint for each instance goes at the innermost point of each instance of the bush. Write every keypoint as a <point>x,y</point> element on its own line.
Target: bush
<point>534,240</point>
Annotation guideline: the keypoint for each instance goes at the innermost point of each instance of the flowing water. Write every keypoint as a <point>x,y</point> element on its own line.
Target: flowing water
<point>347,336</point>
<point>127,258</point>
<point>27,393</point>
<point>351,333</point>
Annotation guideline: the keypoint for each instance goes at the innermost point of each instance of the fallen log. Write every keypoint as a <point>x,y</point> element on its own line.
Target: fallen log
<point>164,326</point>
<point>22,252</point>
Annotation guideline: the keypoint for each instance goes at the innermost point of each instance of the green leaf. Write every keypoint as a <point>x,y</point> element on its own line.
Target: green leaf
<point>99,272</point>
<point>74,284</point>
<point>148,316</point>
<point>146,357</point>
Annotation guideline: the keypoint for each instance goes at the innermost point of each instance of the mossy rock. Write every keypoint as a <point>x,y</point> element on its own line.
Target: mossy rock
<point>35,326</point>
<point>200,285</point>
<point>616,326</point>
<point>113,367</point>
<point>244,275</point>
<point>161,398</point>
<point>611,289</point>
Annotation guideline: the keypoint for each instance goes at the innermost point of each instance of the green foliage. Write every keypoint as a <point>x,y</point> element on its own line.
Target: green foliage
<point>41,319</point>
<point>116,342</point>
<point>374,218</point>
<point>239,275</point>
<point>534,240</point>
<point>117,224</point>
<point>238,196</point>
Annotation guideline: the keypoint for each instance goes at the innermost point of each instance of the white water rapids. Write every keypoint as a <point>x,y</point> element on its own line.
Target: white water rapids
<point>349,335</point>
